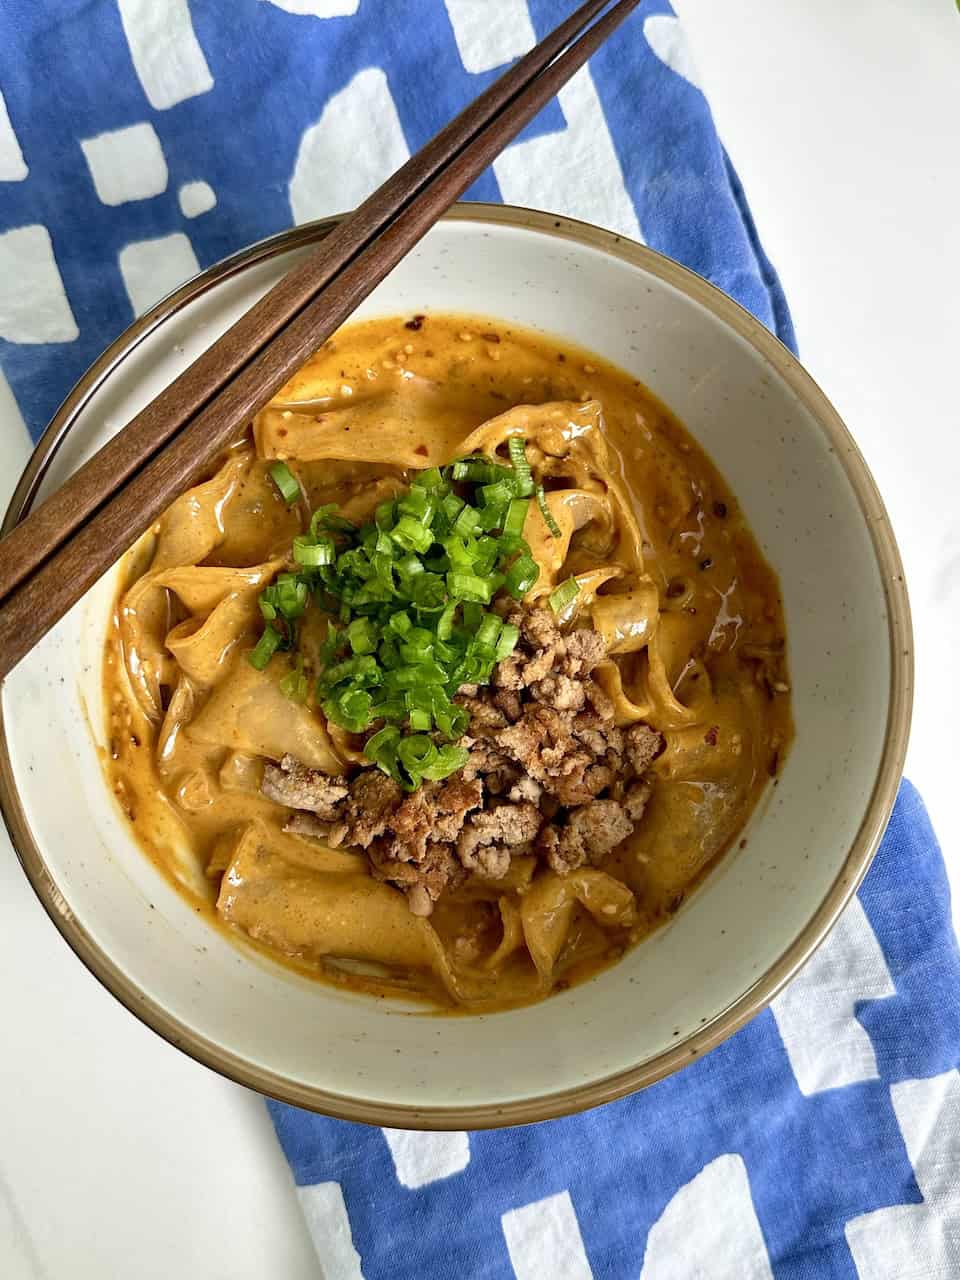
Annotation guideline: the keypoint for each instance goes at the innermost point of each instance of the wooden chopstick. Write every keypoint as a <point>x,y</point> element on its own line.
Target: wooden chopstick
<point>44,597</point>
<point>52,522</point>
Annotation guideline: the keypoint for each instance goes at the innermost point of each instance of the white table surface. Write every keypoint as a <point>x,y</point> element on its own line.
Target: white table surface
<point>121,1157</point>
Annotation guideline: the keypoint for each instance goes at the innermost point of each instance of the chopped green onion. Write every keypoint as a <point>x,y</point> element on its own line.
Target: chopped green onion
<point>385,514</point>
<point>546,512</point>
<point>417,753</point>
<point>479,471</point>
<point>466,522</point>
<point>362,668</point>
<point>445,621</point>
<point>421,721</point>
<point>468,586</point>
<point>429,479</point>
<point>294,683</point>
<point>311,554</point>
<point>351,710</point>
<point>563,595</point>
<point>429,593</point>
<point>518,456</point>
<point>362,635</point>
<point>448,760</point>
<point>417,502</point>
<point>286,482</point>
<point>326,518</point>
<point>521,576</point>
<point>516,516</point>
<point>472,615</point>
<point>400,623</point>
<point>416,676</point>
<point>265,648</point>
<point>383,742</point>
<point>409,532</point>
<point>497,495</point>
<point>288,595</point>
<point>489,630</point>
<point>507,642</point>
<point>452,506</point>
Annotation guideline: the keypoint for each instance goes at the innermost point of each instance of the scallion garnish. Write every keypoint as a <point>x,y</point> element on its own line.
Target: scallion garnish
<point>563,595</point>
<point>518,456</point>
<point>286,482</point>
<point>407,597</point>
<point>265,647</point>
<point>546,512</point>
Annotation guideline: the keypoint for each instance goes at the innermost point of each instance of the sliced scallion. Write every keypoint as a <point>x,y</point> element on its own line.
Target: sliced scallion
<point>546,512</point>
<point>265,648</point>
<point>286,482</point>
<point>564,595</point>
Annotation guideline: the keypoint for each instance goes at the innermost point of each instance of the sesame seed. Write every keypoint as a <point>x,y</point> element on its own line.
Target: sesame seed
<point>408,348</point>
<point>465,335</point>
<point>389,364</point>
<point>493,353</point>
<point>346,390</point>
<point>286,414</point>
<point>589,368</point>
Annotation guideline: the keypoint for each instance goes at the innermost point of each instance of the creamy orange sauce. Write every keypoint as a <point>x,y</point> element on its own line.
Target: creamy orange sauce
<point>669,573</point>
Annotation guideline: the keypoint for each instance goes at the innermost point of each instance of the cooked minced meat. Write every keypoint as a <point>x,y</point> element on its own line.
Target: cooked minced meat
<point>588,835</point>
<point>502,827</point>
<point>549,772</point>
<point>294,784</point>
<point>643,745</point>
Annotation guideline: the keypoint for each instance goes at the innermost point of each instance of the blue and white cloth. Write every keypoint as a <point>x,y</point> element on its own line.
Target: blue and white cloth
<point>142,139</point>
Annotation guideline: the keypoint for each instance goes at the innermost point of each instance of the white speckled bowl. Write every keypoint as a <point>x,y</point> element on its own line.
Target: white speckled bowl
<point>819,519</point>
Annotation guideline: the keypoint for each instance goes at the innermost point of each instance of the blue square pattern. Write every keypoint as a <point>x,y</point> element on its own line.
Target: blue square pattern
<point>759,1160</point>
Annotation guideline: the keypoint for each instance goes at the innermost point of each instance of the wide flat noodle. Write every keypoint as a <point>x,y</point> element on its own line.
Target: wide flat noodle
<point>202,587</point>
<point>316,914</point>
<point>191,528</point>
<point>572,509</point>
<point>547,910</point>
<point>628,621</point>
<point>409,431</point>
<point>248,712</point>
<point>224,604</point>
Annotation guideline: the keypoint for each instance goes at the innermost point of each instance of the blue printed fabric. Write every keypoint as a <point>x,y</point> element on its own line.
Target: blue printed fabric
<point>142,139</point>
<point>820,1142</point>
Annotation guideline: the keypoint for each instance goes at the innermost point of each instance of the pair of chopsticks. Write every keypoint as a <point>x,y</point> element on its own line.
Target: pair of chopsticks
<point>50,559</point>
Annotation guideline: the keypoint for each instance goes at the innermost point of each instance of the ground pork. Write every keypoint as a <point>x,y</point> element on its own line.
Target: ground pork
<point>485,842</point>
<point>423,882</point>
<point>582,650</point>
<point>373,799</point>
<point>294,784</point>
<point>560,692</point>
<point>548,772</point>
<point>434,812</point>
<point>642,745</point>
<point>589,833</point>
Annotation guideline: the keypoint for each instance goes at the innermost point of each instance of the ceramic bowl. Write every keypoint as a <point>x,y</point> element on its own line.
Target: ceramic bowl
<point>814,508</point>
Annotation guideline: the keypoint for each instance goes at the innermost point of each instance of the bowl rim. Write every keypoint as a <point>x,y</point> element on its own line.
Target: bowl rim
<point>548,1105</point>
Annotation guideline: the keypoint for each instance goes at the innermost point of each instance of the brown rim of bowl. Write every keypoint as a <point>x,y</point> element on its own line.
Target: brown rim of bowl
<point>756,997</point>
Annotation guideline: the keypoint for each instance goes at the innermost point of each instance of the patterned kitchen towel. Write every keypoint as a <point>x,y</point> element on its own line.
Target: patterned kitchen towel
<point>820,1142</point>
<point>143,139</point>
<point>140,139</point>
